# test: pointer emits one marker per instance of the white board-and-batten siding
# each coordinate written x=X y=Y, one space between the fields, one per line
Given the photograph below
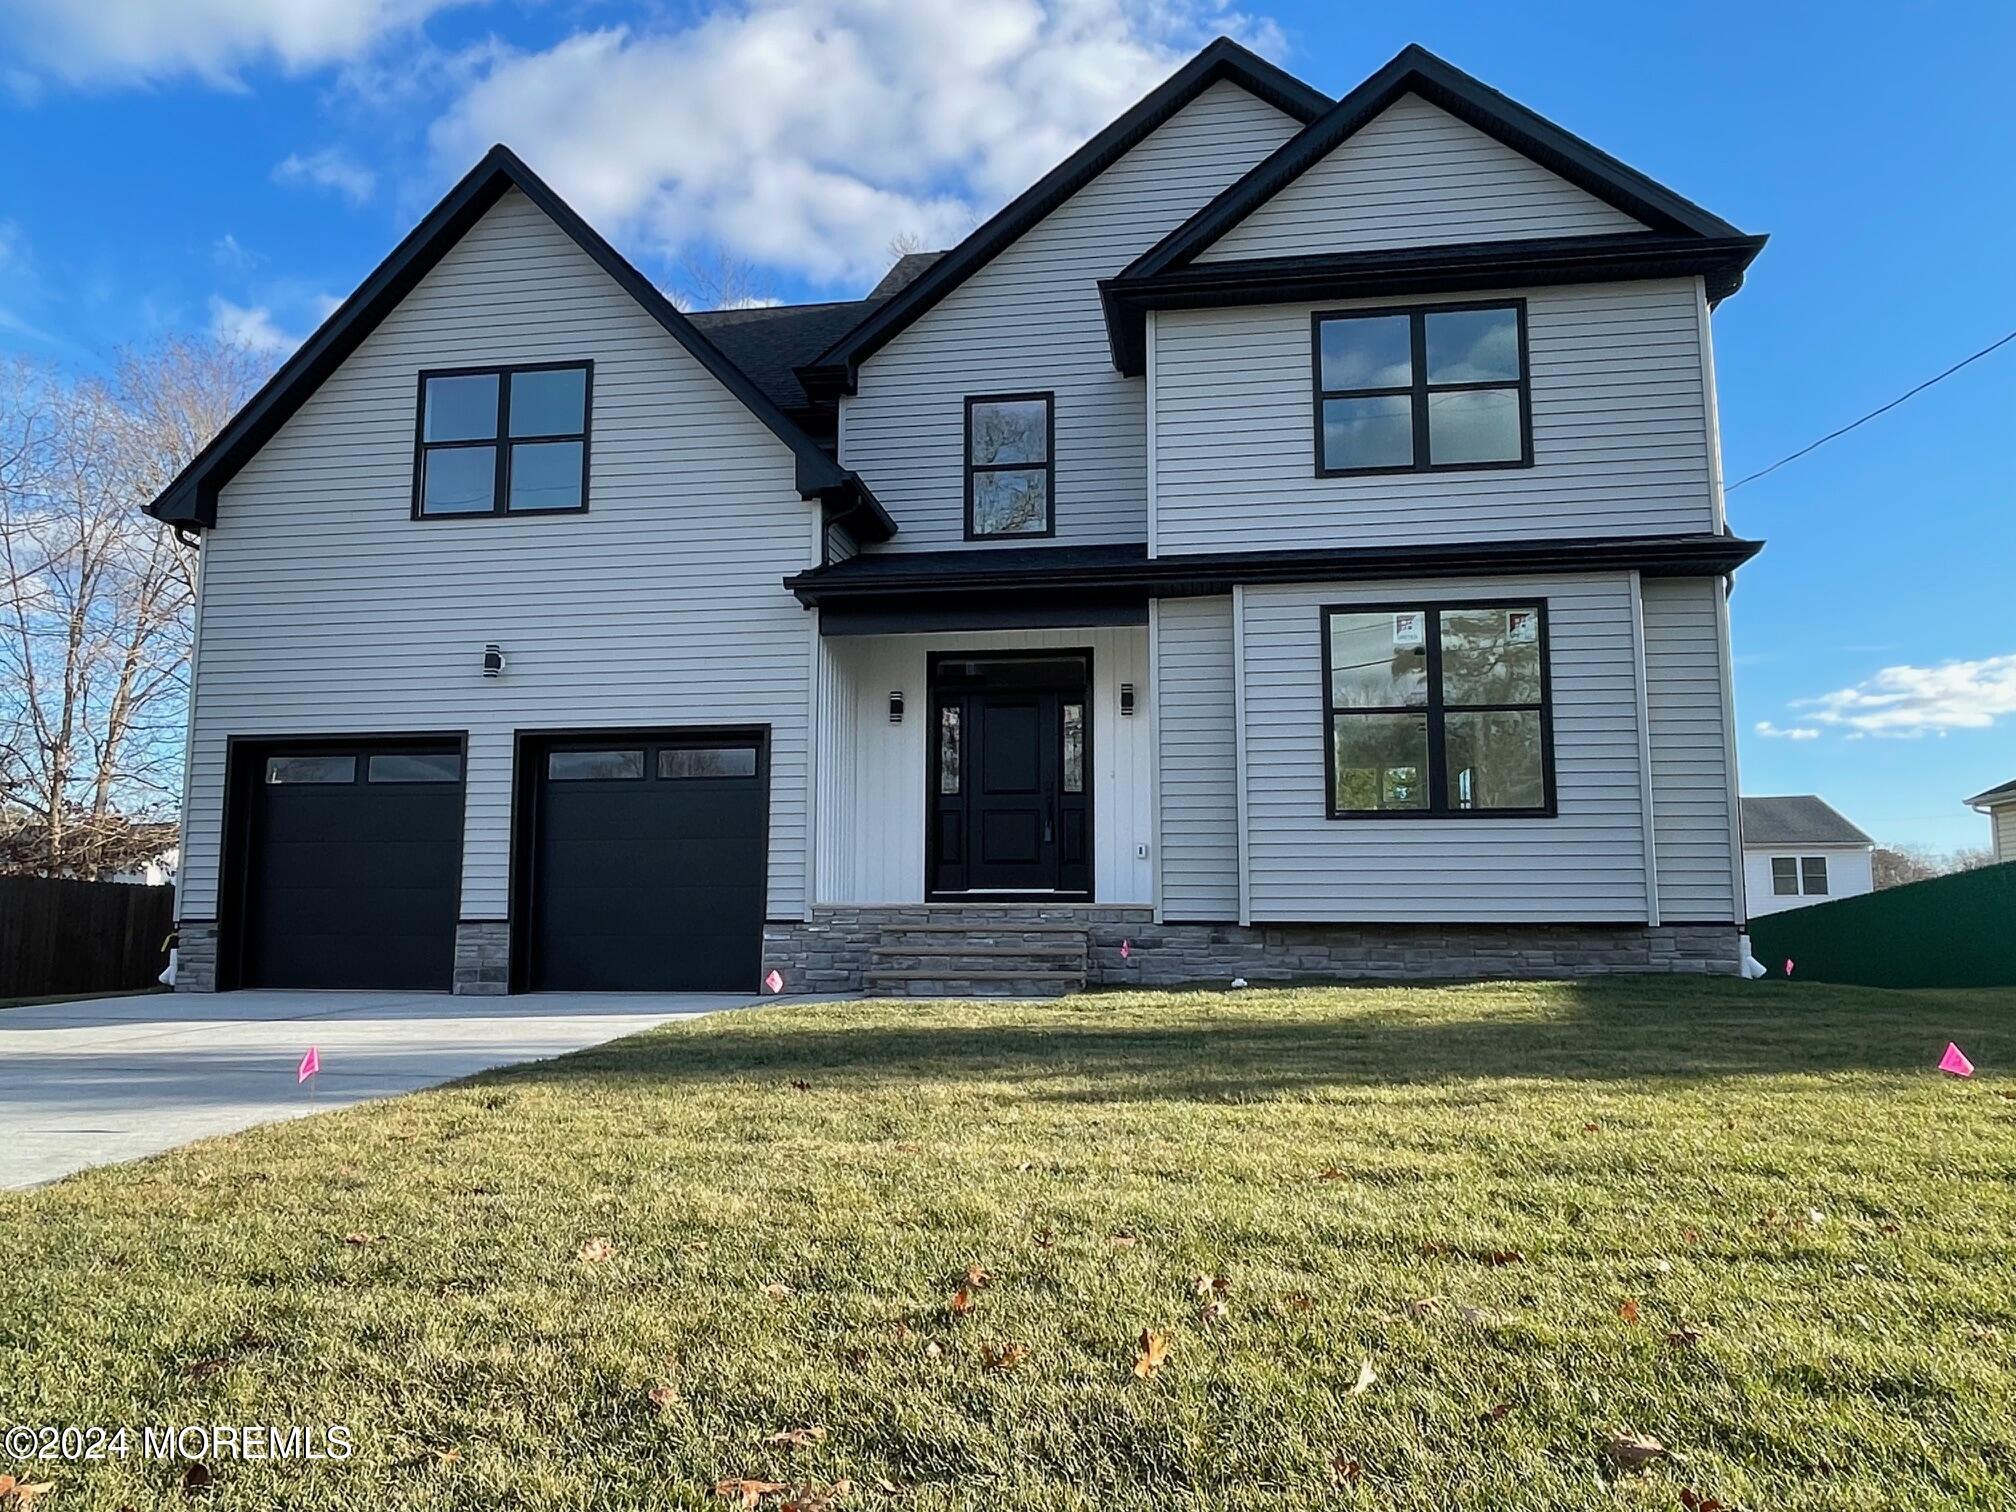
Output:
x=1031 y=321
x=1620 y=431
x=327 y=610
x=1196 y=714
x=874 y=774
x=1415 y=176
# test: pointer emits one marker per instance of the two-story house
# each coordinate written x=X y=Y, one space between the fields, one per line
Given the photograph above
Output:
x=1287 y=540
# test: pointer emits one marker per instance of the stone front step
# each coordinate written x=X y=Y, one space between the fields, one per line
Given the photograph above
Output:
x=956 y=958
x=974 y=984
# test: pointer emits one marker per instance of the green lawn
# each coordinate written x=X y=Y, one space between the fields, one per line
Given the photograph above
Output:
x=1467 y=1187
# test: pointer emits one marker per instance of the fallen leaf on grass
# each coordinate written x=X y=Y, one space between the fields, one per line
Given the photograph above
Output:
x=1628 y=1309
x=962 y=1303
x=1296 y=1302
x=1694 y=1501
x=1425 y=1307
x=1211 y=1286
x=1633 y=1450
x=596 y=1250
x=1366 y=1376
x=1343 y=1471
x=360 y=1238
x=1683 y=1337
x=1690 y=1236
x=932 y=1350
x=801 y=1085
x=1045 y=1238
x=1123 y=1239
x=445 y=1456
x=1213 y=1312
x=1477 y=1317
x=1333 y=1173
x=197 y=1479
x=1889 y=1228
x=1505 y=1257
x=777 y=1291
x=1494 y=1414
x=21 y=1493
x=1591 y=1127
x=798 y=1438
x=748 y=1493
x=1004 y=1356
x=977 y=1275
x=664 y=1396
x=1150 y=1352
x=815 y=1498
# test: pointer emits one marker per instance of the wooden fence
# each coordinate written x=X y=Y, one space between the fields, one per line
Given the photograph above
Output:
x=59 y=937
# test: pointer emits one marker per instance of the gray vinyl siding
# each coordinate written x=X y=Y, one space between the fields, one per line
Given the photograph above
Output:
x=1198 y=773
x=1031 y=320
x=1620 y=431
x=1585 y=865
x=326 y=609
x=1691 y=824
x=1416 y=176
x=840 y=544
x=2003 y=822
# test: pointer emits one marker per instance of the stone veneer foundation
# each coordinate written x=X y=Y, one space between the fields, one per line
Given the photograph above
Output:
x=482 y=958
x=830 y=952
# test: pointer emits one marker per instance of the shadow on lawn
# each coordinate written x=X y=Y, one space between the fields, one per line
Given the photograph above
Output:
x=1265 y=1043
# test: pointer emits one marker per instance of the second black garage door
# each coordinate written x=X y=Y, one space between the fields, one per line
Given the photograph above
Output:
x=647 y=864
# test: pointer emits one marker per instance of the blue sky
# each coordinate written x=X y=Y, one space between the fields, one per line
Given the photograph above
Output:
x=236 y=165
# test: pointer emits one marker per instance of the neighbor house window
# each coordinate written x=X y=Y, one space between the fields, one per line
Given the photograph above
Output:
x=1011 y=466
x=1422 y=390
x=1437 y=710
x=498 y=441
x=1794 y=875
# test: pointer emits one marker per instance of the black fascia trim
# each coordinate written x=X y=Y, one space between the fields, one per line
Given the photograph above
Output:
x=834 y=370
x=1415 y=70
x=192 y=497
x=1461 y=268
x=1437 y=710
x=864 y=579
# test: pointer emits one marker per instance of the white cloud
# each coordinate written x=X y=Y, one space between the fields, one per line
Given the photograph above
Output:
x=1908 y=702
x=132 y=41
x=803 y=134
x=1771 y=731
x=251 y=327
x=331 y=168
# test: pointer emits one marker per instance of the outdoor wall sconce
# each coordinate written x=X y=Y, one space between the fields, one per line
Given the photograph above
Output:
x=493 y=660
x=1127 y=700
x=896 y=707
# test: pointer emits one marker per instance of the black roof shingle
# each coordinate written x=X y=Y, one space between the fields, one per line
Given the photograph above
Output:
x=1797 y=819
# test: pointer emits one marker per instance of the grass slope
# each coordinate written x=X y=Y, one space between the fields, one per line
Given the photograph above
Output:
x=1461 y=1185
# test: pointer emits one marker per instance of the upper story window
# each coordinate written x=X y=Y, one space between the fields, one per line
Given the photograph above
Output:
x=1011 y=465
x=1422 y=390
x=1792 y=876
x=1438 y=711
x=503 y=440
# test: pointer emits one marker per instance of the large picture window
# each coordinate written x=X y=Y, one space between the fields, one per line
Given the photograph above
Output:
x=1438 y=710
x=1422 y=390
x=1011 y=466
x=510 y=440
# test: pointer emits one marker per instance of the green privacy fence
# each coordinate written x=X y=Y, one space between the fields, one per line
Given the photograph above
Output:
x=1957 y=931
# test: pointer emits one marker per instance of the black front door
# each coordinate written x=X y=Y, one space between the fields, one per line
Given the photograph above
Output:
x=1010 y=777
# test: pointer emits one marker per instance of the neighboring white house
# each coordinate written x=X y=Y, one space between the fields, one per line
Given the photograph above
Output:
x=1798 y=850
x=1999 y=804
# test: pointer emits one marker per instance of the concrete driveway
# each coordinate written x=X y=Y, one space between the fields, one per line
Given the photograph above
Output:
x=83 y=1084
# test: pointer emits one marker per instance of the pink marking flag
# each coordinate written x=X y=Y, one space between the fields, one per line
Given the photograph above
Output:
x=774 y=982
x=1788 y=965
x=1126 y=949
x=1954 y=1063
x=310 y=1064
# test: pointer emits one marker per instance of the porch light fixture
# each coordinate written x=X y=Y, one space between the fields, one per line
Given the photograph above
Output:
x=896 y=707
x=1127 y=700
x=493 y=660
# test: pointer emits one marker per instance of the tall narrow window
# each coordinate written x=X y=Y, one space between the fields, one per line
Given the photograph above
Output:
x=1813 y=876
x=1785 y=876
x=508 y=440
x=1437 y=710
x=948 y=748
x=1074 y=747
x=1010 y=466
x=1422 y=390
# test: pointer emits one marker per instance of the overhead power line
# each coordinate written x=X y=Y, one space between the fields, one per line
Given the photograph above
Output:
x=1831 y=435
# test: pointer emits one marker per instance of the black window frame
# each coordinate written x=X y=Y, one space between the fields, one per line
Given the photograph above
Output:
x=1778 y=879
x=1806 y=865
x=970 y=467
x=1436 y=709
x=1420 y=388
x=503 y=440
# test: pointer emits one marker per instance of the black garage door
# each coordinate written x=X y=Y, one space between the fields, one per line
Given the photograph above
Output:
x=353 y=866
x=647 y=864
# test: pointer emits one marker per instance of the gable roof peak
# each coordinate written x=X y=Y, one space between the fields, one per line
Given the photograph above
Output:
x=191 y=499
